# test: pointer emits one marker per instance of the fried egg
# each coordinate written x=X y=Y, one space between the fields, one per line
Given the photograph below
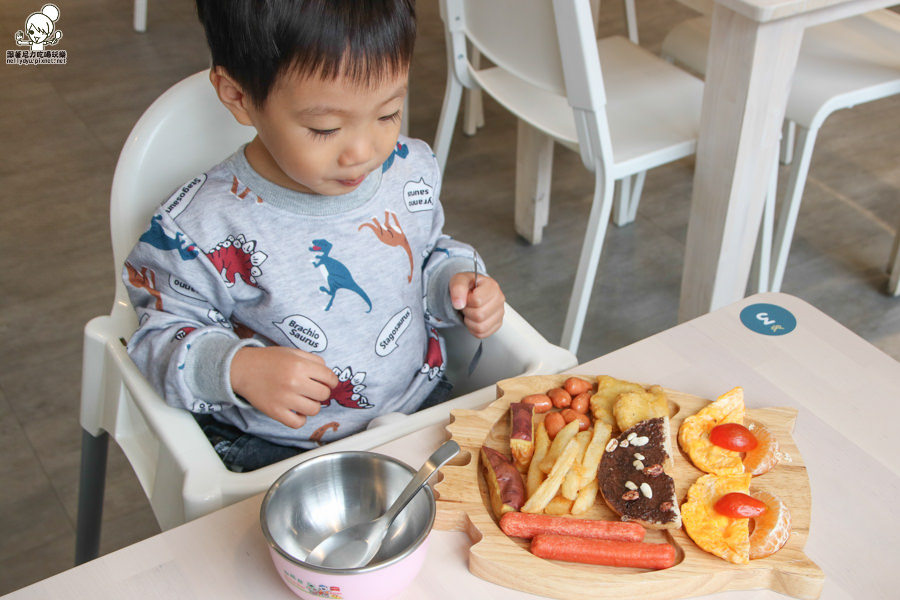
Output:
x=726 y=537
x=693 y=434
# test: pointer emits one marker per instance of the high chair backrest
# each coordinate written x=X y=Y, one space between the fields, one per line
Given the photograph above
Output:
x=185 y=131
x=550 y=44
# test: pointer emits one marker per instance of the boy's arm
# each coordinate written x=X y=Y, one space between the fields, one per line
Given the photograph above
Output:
x=185 y=342
x=443 y=269
x=448 y=258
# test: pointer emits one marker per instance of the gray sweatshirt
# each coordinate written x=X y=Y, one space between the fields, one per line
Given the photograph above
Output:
x=231 y=259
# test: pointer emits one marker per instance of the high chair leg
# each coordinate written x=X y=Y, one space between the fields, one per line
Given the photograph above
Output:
x=91 y=485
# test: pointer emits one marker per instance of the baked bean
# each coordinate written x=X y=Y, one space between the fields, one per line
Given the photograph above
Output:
x=569 y=415
x=560 y=397
x=581 y=402
x=541 y=402
x=577 y=385
x=553 y=423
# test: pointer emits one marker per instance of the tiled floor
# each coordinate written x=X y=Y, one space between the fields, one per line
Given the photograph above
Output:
x=62 y=127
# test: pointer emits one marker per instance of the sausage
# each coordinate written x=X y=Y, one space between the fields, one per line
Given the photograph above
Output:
x=541 y=402
x=581 y=402
x=577 y=385
x=584 y=421
x=526 y=525
x=612 y=553
x=554 y=422
x=560 y=397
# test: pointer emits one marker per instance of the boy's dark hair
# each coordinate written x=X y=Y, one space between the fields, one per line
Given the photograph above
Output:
x=258 y=41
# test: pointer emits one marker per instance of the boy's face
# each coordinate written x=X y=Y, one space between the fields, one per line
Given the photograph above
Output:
x=325 y=136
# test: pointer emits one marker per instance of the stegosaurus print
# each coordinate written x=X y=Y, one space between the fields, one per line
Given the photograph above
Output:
x=347 y=392
x=237 y=257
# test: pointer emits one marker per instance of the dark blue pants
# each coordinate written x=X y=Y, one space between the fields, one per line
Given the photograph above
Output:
x=242 y=452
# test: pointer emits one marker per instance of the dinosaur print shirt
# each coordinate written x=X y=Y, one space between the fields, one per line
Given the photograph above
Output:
x=231 y=259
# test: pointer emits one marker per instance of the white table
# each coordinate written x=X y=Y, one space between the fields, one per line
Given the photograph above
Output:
x=847 y=393
x=752 y=54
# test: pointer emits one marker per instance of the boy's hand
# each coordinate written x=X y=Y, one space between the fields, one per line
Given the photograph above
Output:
x=285 y=384
x=481 y=304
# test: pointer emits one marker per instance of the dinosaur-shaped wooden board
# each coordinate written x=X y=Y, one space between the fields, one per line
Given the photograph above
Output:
x=463 y=505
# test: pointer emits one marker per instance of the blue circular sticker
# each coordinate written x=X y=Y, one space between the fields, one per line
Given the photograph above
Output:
x=768 y=319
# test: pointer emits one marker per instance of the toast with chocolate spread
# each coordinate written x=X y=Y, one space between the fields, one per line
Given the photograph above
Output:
x=633 y=478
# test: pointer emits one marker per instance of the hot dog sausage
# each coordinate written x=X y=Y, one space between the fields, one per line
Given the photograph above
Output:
x=526 y=525
x=603 y=552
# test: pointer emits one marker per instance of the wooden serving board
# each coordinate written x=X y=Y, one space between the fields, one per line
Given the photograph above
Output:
x=463 y=505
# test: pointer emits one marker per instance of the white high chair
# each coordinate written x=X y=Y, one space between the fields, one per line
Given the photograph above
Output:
x=625 y=109
x=183 y=132
x=841 y=64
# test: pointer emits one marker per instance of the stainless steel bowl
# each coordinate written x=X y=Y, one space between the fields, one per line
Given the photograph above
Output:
x=333 y=491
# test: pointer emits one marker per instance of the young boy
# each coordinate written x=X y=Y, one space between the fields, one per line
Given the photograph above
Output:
x=294 y=292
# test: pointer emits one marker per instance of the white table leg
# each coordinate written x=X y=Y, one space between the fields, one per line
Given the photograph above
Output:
x=747 y=84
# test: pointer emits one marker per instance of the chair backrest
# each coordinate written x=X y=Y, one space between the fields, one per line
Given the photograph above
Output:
x=185 y=131
x=550 y=44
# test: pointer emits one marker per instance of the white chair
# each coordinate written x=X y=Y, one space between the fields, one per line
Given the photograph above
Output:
x=841 y=64
x=473 y=109
x=894 y=266
x=625 y=109
x=184 y=131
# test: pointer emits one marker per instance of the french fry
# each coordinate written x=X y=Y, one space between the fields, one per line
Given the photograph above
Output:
x=586 y=497
x=562 y=439
x=548 y=488
x=572 y=481
x=594 y=452
x=559 y=505
x=535 y=476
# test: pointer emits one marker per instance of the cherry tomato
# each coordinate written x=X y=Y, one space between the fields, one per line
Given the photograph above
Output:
x=739 y=505
x=733 y=436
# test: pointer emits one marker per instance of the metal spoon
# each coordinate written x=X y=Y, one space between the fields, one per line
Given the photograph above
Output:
x=474 y=362
x=356 y=545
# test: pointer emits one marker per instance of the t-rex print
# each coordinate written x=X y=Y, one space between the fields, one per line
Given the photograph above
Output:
x=145 y=279
x=401 y=150
x=338 y=275
x=157 y=237
x=391 y=236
